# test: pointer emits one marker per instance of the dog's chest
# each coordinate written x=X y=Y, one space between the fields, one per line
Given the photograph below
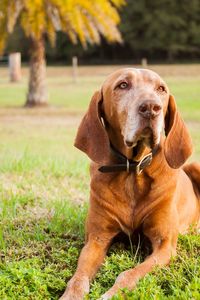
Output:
x=125 y=194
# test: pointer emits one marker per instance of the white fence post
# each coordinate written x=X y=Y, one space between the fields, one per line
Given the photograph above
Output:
x=144 y=62
x=75 y=68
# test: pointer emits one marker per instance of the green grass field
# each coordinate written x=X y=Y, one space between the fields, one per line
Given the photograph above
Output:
x=44 y=188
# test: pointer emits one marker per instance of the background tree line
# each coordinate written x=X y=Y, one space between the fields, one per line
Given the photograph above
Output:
x=159 y=30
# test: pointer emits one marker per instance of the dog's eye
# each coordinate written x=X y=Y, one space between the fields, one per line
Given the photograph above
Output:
x=161 y=89
x=123 y=85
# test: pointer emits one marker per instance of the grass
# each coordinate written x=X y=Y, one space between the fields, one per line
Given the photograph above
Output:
x=44 y=187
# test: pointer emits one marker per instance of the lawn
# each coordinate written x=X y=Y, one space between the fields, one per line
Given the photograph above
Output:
x=44 y=188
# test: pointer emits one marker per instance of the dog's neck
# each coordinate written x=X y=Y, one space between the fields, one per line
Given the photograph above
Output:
x=117 y=141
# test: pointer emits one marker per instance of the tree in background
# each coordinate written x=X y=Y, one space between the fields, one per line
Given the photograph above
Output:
x=164 y=28
x=161 y=30
x=81 y=20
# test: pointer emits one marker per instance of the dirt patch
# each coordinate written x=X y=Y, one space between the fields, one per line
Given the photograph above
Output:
x=66 y=71
x=46 y=116
x=163 y=70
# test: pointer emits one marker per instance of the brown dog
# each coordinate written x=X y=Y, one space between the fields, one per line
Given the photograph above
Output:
x=143 y=184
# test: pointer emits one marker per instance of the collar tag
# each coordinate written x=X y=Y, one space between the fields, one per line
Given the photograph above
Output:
x=103 y=122
x=147 y=158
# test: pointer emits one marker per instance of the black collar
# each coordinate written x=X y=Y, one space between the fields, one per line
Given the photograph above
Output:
x=128 y=165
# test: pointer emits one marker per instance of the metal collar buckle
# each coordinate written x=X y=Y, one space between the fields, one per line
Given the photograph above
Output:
x=145 y=158
x=127 y=166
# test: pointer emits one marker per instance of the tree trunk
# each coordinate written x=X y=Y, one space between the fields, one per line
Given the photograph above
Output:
x=37 y=92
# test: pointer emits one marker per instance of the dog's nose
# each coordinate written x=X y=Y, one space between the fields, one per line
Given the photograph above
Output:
x=149 y=109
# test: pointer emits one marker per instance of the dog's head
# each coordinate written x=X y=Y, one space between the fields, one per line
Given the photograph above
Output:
x=131 y=111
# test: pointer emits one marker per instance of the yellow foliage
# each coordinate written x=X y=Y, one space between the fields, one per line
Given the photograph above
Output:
x=84 y=20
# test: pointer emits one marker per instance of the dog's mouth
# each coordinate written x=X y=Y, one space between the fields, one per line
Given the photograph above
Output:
x=138 y=149
x=146 y=140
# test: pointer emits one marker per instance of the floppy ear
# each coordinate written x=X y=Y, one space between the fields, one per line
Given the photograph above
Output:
x=178 y=144
x=92 y=137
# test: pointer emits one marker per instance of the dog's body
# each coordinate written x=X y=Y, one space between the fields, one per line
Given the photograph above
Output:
x=163 y=200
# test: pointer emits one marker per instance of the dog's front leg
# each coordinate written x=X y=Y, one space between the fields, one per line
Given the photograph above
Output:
x=129 y=278
x=91 y=257
x=163 y=237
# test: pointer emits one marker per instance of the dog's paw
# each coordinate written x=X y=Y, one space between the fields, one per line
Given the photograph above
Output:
x=76 y=289
x=125 y=280
x=105 y=297
x=110 y=293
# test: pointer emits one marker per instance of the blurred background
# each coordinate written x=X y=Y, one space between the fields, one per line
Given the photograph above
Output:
x=54 y=55
x=163 y=31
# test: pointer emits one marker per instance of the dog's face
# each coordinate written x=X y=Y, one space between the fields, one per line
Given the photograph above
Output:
x=135 y=102
x=135 y=105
